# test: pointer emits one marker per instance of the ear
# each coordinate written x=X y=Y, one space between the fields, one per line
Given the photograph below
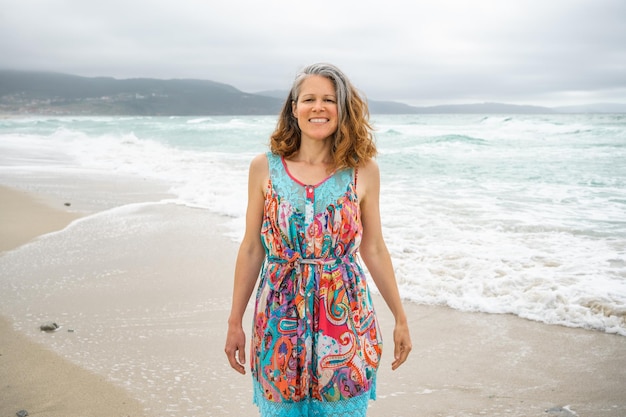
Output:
x=294 y=108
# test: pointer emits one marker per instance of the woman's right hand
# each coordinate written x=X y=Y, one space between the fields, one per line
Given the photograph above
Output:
x=236 y=348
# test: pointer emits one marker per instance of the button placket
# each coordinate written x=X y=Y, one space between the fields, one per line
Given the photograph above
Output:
x=309 y=214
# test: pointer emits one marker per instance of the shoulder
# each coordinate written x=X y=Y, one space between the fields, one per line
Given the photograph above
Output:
x=259 y=171
x=369 y=173
x=259 y=162
x=368 y=179
x=369 y=168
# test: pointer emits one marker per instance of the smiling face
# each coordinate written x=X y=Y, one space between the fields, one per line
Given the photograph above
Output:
x=316 y=108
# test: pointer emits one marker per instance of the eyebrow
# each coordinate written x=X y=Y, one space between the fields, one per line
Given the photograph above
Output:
x=313 y=95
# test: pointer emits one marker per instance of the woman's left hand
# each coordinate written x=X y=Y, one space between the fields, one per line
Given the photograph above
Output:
x=402 y=344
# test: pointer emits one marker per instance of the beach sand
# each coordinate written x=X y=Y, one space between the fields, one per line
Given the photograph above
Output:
x=143 y=304
x=23 y=217
x=32 y=377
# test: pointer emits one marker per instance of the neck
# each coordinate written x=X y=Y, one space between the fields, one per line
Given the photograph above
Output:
x=314 y=153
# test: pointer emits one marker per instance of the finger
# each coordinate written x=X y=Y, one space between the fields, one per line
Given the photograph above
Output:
x=398 y=350
x=242 y=358
x=401 y=355
x=236 y=365
x=397 y=362
x=233 y=359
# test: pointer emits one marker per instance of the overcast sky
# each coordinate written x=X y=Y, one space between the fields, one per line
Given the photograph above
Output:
x=546 y=52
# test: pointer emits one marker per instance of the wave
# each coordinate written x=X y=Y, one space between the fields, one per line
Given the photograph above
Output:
x=520 y=215
x=463 y=139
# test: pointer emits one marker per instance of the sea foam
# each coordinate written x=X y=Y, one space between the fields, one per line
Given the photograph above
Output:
x=501 y=214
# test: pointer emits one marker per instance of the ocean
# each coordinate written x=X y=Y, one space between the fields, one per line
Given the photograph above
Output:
x=515 y=214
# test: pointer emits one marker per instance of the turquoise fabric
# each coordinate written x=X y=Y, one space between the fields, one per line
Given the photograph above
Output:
x=326 y=193
x=354 y=407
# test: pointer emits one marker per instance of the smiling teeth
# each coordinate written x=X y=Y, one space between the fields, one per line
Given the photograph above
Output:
x=318 y=120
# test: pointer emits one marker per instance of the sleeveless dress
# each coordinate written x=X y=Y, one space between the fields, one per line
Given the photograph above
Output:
x=316 y=343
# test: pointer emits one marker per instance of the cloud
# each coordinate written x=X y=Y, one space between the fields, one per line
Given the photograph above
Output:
x=420 y=52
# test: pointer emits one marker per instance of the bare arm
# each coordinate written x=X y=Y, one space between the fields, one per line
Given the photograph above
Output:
x=249 y=260
x=374 y=252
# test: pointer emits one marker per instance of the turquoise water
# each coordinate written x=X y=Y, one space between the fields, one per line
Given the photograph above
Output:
x=500 y=214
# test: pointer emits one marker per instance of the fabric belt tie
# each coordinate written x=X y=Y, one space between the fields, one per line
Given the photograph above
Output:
x=296 y=258
x=302 y=288
x=282 y=267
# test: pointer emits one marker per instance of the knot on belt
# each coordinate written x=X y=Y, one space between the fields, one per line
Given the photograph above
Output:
x=279 y=268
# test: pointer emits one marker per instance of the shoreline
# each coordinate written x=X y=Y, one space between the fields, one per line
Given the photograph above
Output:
x=20 y=226
x=466 y=364
x=35 y=378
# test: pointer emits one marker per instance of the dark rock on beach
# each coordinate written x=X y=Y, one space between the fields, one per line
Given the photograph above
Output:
x=21 y=413
x=49 y=327
x=560 y=412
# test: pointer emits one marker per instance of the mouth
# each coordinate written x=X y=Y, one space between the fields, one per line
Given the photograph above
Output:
x=318 y=120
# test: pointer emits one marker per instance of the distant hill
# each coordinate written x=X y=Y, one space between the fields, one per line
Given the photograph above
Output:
x=52 y=93
x=281 y=94
x=30 y=92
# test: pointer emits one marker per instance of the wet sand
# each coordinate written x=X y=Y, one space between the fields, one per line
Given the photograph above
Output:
x=33 y=378
x=145 y=292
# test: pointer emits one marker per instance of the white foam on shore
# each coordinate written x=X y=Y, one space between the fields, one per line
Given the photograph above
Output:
x=138 y=291
x=489 y=214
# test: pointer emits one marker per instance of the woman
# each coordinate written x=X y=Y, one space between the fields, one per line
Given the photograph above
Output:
x=312 y=210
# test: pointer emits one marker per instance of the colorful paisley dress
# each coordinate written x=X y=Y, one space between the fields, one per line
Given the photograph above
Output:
x=316 y=344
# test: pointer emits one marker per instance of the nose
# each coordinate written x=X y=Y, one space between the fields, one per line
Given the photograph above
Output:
x=318 y=105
